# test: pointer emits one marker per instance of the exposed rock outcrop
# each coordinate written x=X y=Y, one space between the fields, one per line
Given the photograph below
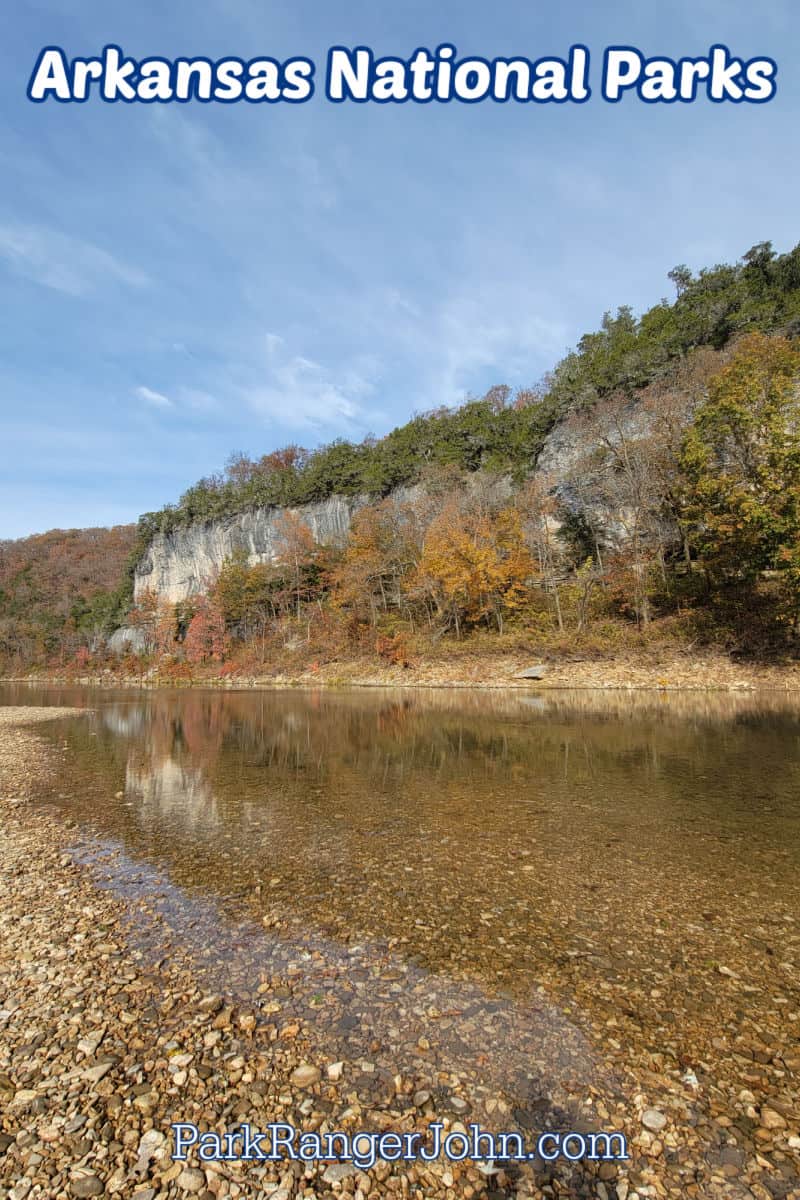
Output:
x=583 y=454
x=183 y=562
x=127 y=640
x=611 y=467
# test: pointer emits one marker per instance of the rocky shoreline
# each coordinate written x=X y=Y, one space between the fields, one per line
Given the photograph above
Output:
x=109 y=1032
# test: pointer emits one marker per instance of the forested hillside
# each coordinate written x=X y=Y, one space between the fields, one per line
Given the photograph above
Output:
x=667 y=499
x=60 y=592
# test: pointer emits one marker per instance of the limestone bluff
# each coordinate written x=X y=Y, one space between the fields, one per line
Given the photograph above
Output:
x=183 y=562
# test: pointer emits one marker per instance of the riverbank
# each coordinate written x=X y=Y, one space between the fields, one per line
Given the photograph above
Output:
x=657 y=670
x=110 y=1031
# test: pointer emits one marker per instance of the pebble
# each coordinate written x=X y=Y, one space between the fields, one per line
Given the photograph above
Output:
x=336 y=1172
x=305 y=1075
x=191 y=1180
x=95 y=1074
x=86 y=1185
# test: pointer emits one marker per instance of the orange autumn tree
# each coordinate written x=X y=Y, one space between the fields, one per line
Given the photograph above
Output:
x=475 y=565
x=206 y=638
x=382 y=547
x=297 y=555
x=155 y=619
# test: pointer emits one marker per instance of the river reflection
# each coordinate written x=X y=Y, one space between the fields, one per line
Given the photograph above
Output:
x=571 y=883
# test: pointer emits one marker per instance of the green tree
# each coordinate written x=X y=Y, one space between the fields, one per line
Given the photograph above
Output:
x=741 y=469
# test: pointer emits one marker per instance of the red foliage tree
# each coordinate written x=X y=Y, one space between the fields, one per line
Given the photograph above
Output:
x=206 y=639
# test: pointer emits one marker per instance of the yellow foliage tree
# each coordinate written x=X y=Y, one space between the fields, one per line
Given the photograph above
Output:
x=475 y=566
x=381 y=550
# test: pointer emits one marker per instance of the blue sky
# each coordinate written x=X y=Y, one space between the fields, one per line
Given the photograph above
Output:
x=182 y=281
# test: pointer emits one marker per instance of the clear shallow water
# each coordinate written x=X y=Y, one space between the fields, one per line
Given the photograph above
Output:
x=543 y=887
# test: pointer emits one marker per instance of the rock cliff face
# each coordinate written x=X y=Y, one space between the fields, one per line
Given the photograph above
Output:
x=127 y=640
x=183 y=562
x=576 y=464
x=587 y=441
x=612 y=468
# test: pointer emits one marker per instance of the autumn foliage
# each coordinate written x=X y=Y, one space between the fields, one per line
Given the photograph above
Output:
x=475 y=566
x=679 y=502
x=206 y=637
x=60 y=593
x=741 y=471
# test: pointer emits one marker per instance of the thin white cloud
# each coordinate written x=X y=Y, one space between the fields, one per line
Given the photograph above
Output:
x=492 y=331
x=491 y=328
x=64 y=263
x=156 y=399
x=299 y=392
